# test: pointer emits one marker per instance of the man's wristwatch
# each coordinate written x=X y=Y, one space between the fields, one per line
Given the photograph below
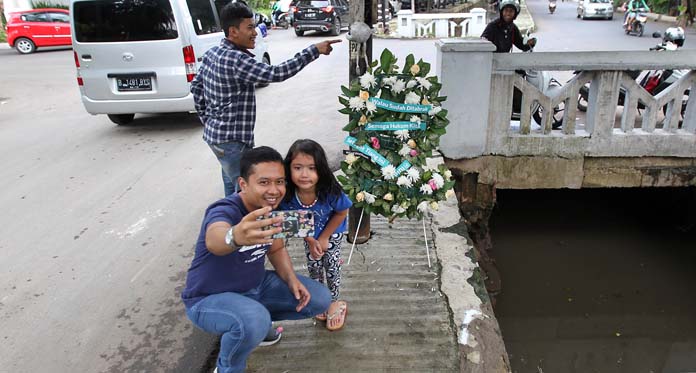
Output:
x=229 y=239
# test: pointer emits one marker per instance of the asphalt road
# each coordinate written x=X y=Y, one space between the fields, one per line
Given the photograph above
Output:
x=98 y=220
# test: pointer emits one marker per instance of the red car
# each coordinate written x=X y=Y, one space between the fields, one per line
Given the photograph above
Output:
x=31 y=29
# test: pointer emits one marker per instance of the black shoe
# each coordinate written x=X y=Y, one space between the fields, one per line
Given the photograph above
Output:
x=272 y=337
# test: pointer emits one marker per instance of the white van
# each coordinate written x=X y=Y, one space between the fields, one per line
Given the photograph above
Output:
x=139 y=56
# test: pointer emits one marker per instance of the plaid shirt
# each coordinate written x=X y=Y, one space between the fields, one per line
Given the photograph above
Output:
x=224 y=94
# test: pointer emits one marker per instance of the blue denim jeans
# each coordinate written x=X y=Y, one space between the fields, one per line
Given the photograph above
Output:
x=243 y=319
x=229 y=154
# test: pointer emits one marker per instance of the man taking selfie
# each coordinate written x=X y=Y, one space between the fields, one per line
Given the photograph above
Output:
x=228 y=291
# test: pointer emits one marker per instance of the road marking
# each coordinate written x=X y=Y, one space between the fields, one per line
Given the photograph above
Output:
x=143 y=269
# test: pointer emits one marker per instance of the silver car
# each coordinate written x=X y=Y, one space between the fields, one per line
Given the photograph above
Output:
x=595 y=9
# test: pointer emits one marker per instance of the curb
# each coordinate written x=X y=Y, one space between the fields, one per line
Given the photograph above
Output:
x=481 y=345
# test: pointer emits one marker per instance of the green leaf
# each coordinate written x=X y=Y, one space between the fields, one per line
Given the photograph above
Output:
x=347 y=92
x=387 y=60
x=410 y=61
x=345 y=111
x=424 y=68
x=343 y=101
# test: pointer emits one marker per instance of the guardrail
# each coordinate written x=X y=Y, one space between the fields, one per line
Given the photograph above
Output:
x=480 y=99
x=441 y=25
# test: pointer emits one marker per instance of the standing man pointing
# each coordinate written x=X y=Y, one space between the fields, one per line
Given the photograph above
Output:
x=224 y=88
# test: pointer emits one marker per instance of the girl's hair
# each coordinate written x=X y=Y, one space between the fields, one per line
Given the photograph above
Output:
x=327 y=185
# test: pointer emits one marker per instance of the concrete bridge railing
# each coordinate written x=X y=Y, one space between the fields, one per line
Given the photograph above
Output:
x=441 y=25
x=480 y=100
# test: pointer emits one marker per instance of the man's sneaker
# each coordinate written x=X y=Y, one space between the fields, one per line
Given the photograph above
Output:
x=272 y=337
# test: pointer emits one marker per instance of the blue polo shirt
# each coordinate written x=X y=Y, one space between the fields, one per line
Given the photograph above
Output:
x=237 y=272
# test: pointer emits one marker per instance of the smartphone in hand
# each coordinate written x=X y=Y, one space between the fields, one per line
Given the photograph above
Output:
x=296 y=223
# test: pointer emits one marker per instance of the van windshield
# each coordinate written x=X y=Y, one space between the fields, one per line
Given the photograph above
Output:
x=123 y=20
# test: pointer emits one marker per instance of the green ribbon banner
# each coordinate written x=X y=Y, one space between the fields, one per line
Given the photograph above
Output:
x=365 y=149
x=399 y=107
x=395 y=126
x=405 y=165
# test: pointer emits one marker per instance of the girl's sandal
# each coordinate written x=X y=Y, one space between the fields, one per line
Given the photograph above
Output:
x=339 y=314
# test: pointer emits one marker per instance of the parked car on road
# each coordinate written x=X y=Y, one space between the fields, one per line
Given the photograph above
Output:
x=321 y=15
x=31 y=29
x=141 y=56
x=595 y=9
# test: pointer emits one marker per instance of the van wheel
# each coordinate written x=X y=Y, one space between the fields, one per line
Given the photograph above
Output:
x=267 y=60
x=121 y=119
x=299 y=32
x=25 y=46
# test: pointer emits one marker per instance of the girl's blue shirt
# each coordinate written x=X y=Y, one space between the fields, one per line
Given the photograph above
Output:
x=323 y=211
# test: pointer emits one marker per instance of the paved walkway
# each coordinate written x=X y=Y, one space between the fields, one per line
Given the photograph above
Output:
x=397 y=318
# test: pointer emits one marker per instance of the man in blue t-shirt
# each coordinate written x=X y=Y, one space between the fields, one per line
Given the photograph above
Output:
x=228 y=291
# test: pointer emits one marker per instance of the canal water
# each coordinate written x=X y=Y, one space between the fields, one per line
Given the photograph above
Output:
x=597 y=280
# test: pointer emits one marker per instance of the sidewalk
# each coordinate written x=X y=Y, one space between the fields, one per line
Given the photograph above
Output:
x=402 y=315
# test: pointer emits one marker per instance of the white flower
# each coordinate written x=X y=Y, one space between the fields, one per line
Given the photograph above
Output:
x=367 y=81
x=351 y=158
x=415 y=119
x=405 y=150
x=371 y=107
x=398 y=87
x=389 y=172
x=449 y=193
x=388 y=197
x=424 y=83
x=398 y=209
x=402 y=135
x=426 y=189
x=411 y=84
x=433 y=112
x=389 y=81
x=412 y=98
x=356 y=103
x=448 y=175
x=404 y=181
x=369 y=198
x=360 y=196
x=434 y=205
x=423 y=206
x=439 y=181
x=413 y=174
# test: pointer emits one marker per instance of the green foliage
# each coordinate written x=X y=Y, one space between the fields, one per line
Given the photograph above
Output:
x=410 y=193
x=47 y=4
x=3 y=36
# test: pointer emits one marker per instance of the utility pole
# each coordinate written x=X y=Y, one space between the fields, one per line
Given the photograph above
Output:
x=360 y=11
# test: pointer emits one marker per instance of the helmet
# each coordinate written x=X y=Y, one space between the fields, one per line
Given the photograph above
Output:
x=674 y=35
x=513 y=3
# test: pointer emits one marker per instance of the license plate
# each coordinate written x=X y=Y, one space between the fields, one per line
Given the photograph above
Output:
x=134 y=83
x=600 y=10
x=311 y=15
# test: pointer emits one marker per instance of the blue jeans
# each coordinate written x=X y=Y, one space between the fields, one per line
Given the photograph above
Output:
x=229 y=154
x=244 y=319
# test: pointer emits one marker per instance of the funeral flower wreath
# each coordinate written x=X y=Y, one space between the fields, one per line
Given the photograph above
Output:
x=395 y=122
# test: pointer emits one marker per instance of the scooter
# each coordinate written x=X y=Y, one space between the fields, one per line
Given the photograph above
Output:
x=283 y=21
x=638 y=24
x=545 y=83
x=552 y=6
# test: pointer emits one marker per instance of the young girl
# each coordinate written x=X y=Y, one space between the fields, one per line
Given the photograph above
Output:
x=312 y=186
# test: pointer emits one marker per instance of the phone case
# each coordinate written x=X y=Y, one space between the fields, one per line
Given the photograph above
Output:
x=296 y=223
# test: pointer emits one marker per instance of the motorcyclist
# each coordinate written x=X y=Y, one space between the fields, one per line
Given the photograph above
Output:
x=503 y=33
x=674 y=35
x=632 y=8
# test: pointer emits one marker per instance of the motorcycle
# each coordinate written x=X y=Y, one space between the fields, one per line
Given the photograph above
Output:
x=552 y=6
x=638 y=24
x=654 y=82
x=545 y=83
